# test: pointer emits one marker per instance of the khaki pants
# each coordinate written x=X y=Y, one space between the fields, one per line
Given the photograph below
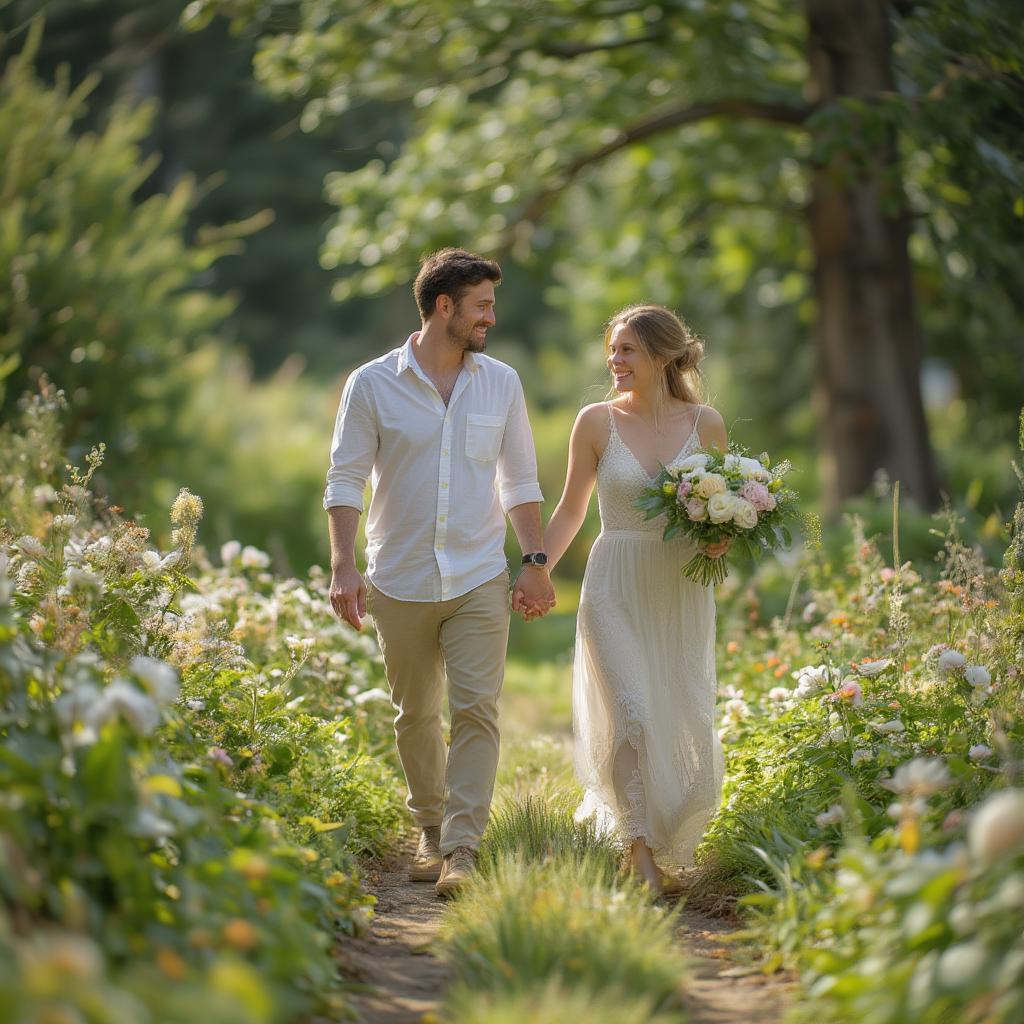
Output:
x=463 y=639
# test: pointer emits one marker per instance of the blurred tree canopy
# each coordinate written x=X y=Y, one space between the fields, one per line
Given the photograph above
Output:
x=855 y=164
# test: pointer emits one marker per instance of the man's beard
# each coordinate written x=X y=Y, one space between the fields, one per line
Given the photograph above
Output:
x=461 y=335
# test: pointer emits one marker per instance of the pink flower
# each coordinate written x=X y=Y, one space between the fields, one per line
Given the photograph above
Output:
x=887 y=574
x=685 y=487
x=220 y=756
x=696 y=510
x=758 y=495
x=851 y=691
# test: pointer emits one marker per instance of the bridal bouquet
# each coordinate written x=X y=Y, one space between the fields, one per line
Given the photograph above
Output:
x=711 y=496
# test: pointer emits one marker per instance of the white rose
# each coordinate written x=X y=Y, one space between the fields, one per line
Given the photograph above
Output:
x=751 y=469
x=949 y=661
x=997 y=828
x=696 y=461
x=720 y=507
x=744 y=514
x=711 y=483
x=977 y=675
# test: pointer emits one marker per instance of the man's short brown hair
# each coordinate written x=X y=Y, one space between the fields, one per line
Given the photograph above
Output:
x=451 y=272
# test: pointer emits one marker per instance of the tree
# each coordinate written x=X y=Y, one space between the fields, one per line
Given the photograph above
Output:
x=669 y=130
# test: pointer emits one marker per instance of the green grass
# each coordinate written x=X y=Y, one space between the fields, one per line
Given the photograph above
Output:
x=553 y=1004
x=522 y=925
x=542 y=830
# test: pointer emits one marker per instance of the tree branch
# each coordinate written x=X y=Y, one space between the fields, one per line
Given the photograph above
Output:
x=777 y=113
x=570 y=50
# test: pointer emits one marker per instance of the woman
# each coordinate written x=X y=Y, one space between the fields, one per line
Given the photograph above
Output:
x=647 y=753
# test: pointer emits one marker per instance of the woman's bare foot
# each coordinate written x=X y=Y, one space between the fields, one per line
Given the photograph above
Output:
x=641 y=863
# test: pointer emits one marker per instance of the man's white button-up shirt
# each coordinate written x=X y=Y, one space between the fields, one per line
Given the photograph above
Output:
x=442 y=477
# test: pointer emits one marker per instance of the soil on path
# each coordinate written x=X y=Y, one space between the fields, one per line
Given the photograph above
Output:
x=400 y=979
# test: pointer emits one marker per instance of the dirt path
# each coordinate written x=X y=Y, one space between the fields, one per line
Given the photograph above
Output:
x=723 y=988
x=401 y=980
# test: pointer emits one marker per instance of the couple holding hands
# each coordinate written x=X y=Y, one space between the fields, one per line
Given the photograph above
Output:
x=441 y=431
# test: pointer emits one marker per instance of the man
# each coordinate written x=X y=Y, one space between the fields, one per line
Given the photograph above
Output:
x=444 y=431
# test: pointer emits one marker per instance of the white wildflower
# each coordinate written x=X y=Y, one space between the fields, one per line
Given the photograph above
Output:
x=892 y=726
x=980 y=694
x=779 y=693
x=960 y=965
x=43 y=495
x=64 y=522
x=921 y=777
x=950 y=661
x=873 y=668
x=121 y=699
x=907 y=808
x=736 y=710
x=83 y=579
x=979 y=752
x=997 y=827
x=161 y=680
x=860 y=755
x=30 y=547
x=977 y=675
x=229 y=552
x=832 y=816
x=196 y=705
x=253 y=558
x=375 y=694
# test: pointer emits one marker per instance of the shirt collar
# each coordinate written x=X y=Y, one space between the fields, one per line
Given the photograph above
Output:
x=407 y=358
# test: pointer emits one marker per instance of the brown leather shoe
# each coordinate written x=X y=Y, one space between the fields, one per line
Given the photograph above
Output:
x=458 y=866
x=426 y=864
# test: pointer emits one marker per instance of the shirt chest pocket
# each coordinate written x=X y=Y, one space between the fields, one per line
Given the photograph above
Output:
x=483 y=436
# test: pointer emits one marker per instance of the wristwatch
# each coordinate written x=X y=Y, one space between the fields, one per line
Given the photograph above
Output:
x=537 y=558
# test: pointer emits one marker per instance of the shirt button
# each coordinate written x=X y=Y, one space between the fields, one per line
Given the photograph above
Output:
x=444 y=485
x=441 y=519
x=444 y=451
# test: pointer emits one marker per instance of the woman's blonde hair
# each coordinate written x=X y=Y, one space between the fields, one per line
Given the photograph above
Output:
x=669 y=343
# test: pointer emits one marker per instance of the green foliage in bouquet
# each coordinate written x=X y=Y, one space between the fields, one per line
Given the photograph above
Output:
x=189 y=762
x=714 y=496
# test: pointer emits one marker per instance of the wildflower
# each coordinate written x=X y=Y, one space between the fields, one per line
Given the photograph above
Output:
x=220 y=756
x=736 y=710
x=903 y=809
x=196 y=705
x=122 y=700
x=779 y=693
x=64 y=522
x=887 y=575
x=835 y=735
x=229 y=552
x=892 y=726
x=832 y=816
x=979 y=752
x=732 y=647
x=810 y=680
x=977 y=675
x=921 y=777
x=152 y=561
x=997 y=827
x=83 y=579
x=950 y=661
x=961 y=964
x=861 y=754
x=979 y=694
x=849 y=691
x=374 y=694
x=161 y=680
x=187 y=509
x=253 y=558
x=30 y=547
x=809 y=611
x=873 y=668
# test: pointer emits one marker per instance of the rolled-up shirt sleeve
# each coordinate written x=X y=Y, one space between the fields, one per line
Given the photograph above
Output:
x=517 y=462
x=353 y=447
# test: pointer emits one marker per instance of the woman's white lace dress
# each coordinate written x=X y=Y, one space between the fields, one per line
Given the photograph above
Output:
x=646 y=750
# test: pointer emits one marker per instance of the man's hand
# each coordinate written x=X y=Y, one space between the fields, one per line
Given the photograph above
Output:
x=718 y=549
x=348 y=595
x=533 y=595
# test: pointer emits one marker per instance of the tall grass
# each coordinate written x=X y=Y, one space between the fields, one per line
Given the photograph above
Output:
x=523 y=924
x=553 y=1004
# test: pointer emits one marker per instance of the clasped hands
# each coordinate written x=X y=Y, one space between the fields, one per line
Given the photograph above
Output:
x=533 y=596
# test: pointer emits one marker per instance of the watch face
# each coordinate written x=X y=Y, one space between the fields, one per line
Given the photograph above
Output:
x=538 y=559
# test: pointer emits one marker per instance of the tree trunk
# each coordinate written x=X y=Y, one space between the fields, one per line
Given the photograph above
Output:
x=868 y=339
